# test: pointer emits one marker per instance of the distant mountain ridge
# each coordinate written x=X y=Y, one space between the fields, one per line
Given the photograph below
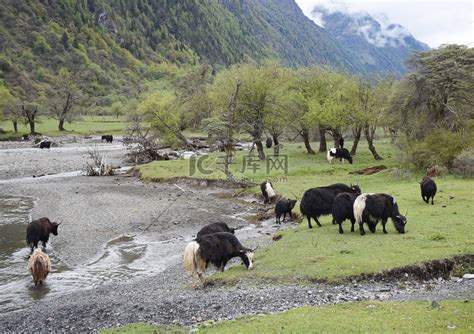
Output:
x=380 y=46
x=115 y=45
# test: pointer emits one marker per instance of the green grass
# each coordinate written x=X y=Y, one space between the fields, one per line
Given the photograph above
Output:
x=365 y=317
x=86 y=125
x=432 y=232
x=142 y=328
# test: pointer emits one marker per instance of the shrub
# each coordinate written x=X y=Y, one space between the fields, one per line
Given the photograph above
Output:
x=463 y=164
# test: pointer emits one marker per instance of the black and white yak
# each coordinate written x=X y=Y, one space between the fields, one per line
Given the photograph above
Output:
x=218 y=249
x=428 y=189
x=370 y=208
x=283 y=207
x=215 y=228
x=339 y=153
x=39 y=265
x=342 y=209
x=39 y=230
x=317 y=202
x=267 y=191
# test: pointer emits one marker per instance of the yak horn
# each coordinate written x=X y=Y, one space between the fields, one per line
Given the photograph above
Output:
x=406 y=213
x=253 y=250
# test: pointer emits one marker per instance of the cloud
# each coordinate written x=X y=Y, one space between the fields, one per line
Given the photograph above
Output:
x=434 y=22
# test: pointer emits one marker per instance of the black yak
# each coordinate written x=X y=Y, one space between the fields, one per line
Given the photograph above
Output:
x=283 y=207
x=45 y=144
x=342 y=209
x=218 y=249
x=370 y=208
x=39 y=230
x=318 y=201
x=341 y=142
x=267 y=191
x=214 y=228
x=39 y=265
x=339 y=153
x=107 y=138
x=269 y=142
x=428 y=189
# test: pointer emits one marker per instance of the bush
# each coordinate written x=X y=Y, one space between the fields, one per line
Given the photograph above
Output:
x=439 y=147
x=463 y=164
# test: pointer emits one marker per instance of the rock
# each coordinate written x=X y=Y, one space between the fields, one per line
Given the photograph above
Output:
x=468 y=276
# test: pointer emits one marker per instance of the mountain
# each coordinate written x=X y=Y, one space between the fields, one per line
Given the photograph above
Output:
x=379 y=45
x=113 y=47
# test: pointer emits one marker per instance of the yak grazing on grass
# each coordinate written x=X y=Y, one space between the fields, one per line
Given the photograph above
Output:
x=215 y=228
x=39 y=265
x=218 y=249
x=39 y=230
x=370 y=208
x=318 y=201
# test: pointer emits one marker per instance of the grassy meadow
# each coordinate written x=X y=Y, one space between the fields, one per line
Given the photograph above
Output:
x=84 y=126
x=433 y=231
x=365 y=317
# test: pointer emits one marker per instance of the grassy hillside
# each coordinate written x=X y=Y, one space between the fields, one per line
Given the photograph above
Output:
x=432 y=232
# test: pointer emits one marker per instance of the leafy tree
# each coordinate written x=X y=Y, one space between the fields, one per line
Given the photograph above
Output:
x=160 y=109
x=65 y=97
x=6 y=99
x=436 y=97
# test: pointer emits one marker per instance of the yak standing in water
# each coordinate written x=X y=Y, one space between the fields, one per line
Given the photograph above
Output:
x=218 y=249
x=39 y=265
x=39 y=230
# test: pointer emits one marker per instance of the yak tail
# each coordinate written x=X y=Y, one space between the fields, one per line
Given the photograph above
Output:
x=269 y=189
x=192 y=260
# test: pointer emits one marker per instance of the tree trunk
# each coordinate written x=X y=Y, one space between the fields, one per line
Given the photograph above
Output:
x=261 y=153
x=336 y=134
x=61 y=125
x=32 y=126
x=305 y=135
x=276 y=146
x=356 y=132
x=370 y=141
x=322 y=139
x=15 y=126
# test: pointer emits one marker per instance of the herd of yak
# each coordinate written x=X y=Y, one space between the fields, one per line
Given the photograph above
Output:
x=216 y=243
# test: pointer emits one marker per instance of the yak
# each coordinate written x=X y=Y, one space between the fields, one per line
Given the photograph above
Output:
x=318 y=201
x=107 y=138
x=214 y=228
x=45 y=144
x=428 y=189
x=268 y=142
x=342 y=209
x=39 y=265
x=339 y=153
x=283 y=207
x=218 y=249
x=267 y=191
x=39 y=230
x=370 y=208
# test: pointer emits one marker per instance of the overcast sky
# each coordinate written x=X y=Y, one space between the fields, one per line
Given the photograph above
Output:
x=433 y=22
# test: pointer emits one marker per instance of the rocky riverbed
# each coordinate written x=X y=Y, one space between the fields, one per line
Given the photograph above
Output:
x=117 y=258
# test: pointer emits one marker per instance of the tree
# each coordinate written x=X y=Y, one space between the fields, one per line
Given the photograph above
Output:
x=160 y=109
x=259 y=96
x=64 y=97
x=65 y=40
x=6 y=101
